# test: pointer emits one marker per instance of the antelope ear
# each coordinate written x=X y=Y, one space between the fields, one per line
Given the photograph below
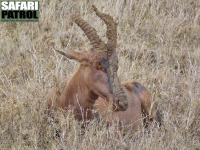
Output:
x=76 y=55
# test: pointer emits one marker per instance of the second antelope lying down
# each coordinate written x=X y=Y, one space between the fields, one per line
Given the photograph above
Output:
x=95 y=83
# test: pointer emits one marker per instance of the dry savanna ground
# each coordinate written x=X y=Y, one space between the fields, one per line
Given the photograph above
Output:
x=158 y=46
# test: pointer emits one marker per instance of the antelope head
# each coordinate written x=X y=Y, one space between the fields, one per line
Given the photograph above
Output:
x=101 y=61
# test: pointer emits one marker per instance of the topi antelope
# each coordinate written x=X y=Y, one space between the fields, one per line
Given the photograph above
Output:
x=95 y=83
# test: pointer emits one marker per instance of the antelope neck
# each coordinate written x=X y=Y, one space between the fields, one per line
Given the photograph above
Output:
x=78 y=95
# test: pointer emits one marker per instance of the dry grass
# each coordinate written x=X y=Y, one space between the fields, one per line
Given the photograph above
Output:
x=158 y=45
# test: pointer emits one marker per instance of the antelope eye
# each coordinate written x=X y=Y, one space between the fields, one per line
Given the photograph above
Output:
x=99 y=66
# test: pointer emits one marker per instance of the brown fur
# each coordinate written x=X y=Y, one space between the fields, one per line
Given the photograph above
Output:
x=84 y=87
x=89 y=87
x=96 y=80
x=108 y=49
x=139 y=101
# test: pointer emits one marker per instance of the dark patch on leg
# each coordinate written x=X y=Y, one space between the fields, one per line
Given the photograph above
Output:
x=137 y=87
x=97 y=116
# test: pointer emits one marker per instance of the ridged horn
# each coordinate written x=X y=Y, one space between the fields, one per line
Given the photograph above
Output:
x=115 y=84
x=90 y=32
x=111 y=32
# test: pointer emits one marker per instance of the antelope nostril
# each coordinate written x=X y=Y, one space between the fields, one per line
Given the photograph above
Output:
x=123 y=105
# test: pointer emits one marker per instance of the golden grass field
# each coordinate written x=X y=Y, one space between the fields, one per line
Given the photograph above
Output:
x=158 y=46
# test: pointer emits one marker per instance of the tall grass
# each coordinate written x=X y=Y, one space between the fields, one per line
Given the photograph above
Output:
x=158 y=46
